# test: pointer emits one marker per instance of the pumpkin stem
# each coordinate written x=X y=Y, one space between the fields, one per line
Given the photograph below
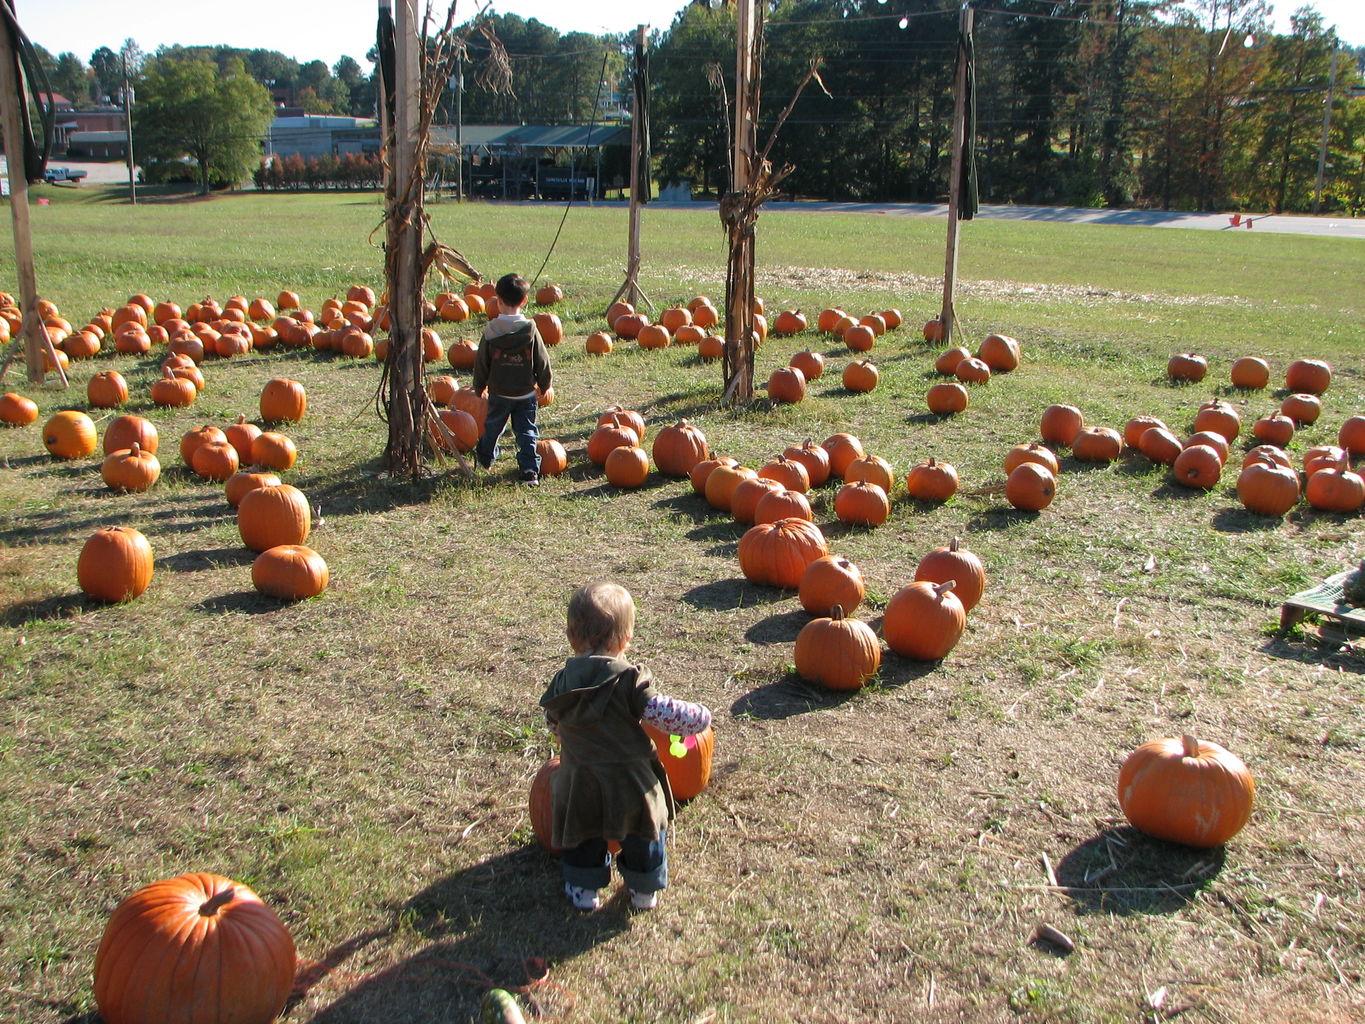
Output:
x=942 y=588
x=1190 y=745
x=215 y=903
x=837 y=612
x=955 y=544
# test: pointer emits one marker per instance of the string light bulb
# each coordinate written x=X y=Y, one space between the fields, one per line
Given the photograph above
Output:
x=904 y=23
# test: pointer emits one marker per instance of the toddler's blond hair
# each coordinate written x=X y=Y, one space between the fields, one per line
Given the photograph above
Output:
x=601 y=618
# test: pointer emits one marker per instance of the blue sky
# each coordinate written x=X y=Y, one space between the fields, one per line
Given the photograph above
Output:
x=312 y=30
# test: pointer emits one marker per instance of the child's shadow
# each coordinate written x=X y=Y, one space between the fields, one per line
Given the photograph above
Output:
x=503 y=923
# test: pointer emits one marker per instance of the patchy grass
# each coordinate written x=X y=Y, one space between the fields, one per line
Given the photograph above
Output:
x=362 y=759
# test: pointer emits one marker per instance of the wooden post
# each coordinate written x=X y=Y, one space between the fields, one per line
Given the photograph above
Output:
x=630 y=288
x=948 y=315
x=31 y=330
x=407 y=407
x=739 y=285
x=128 y=124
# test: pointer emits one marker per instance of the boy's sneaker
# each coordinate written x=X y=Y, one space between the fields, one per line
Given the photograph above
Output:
x=583 y=899
x=644 y=900
x=530 y=478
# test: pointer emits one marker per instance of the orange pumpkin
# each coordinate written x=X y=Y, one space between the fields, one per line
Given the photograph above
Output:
x=924 y=620
x=831 y=580
x=947 y=398
x=554 y=460
x=128 y=430
x=1186 y=791
x=290 y=572
x=1030 y=487
x=777 y=554
x=690 y=774
x=269 y=516
x=115 y=565
x=627 y=466
x=678 y=448
x=70 y=434
x=1060 y=424
x=196 y=947
x=837 y=652
x=954 y=562
x=16 y=410
x=862 y=504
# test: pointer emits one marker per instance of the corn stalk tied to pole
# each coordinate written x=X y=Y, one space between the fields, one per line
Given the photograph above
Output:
x=739 y=210
x=414 y=66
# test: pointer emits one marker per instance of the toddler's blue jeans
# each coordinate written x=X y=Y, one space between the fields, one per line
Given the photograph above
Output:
x=643 y=864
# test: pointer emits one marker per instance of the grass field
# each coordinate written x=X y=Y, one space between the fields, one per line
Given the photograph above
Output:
x=362 y=759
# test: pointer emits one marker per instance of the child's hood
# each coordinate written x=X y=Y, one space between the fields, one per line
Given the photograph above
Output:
x=584 y=688
x=508 y=323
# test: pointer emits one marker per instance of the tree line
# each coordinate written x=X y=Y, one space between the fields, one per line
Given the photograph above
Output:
x=1078 y=102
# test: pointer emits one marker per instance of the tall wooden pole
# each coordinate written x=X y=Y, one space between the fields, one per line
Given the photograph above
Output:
x=959 y=138
x=739 y=284
x=128 y=124
x=31 y=330
x=630 y=289
x=407 y=399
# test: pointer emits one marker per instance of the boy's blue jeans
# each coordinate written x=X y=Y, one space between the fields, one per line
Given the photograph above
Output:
x=522 y=413
x=643 y=864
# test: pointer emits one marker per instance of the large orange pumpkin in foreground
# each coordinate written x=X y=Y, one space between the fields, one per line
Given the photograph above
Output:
x=1187 y=791
x=197 y=948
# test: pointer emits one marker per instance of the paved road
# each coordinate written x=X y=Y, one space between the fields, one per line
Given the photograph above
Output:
x=1341 y=227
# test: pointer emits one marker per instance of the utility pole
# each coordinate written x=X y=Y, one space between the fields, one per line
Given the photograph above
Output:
x=458 y=82
x=959 y=145
x=630 y=288
x=1326 y=130
x=128 y=123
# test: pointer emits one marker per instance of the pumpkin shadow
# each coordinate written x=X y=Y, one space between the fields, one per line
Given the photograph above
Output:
x=63 y=606
x=897 y=670
x=1124 y=872
x=1002 y=517
x=921 y=418
x=786 y=698
x=1240 y=520
x=500 y=923
x=1179 y=492
x=1138 y=465
x=206 y=558
x=725 y=533
x=732 y=594
x=689 y=504
x=778 y=628
x=251 y=602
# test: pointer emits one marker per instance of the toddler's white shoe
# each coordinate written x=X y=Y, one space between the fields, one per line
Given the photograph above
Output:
x=644 y=900
x=583 y=899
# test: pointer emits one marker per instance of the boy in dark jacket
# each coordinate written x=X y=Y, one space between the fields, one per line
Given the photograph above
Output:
x=512 y=362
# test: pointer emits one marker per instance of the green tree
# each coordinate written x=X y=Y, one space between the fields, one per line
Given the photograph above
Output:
x=107 y=68
x=71 y=78
x=187 y=108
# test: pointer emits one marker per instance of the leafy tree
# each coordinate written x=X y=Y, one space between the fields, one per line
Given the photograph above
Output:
x=107 y=68
x=70 y=78
x=188 y=108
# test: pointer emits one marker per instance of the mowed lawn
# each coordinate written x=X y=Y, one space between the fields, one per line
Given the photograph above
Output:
x=362 y=760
